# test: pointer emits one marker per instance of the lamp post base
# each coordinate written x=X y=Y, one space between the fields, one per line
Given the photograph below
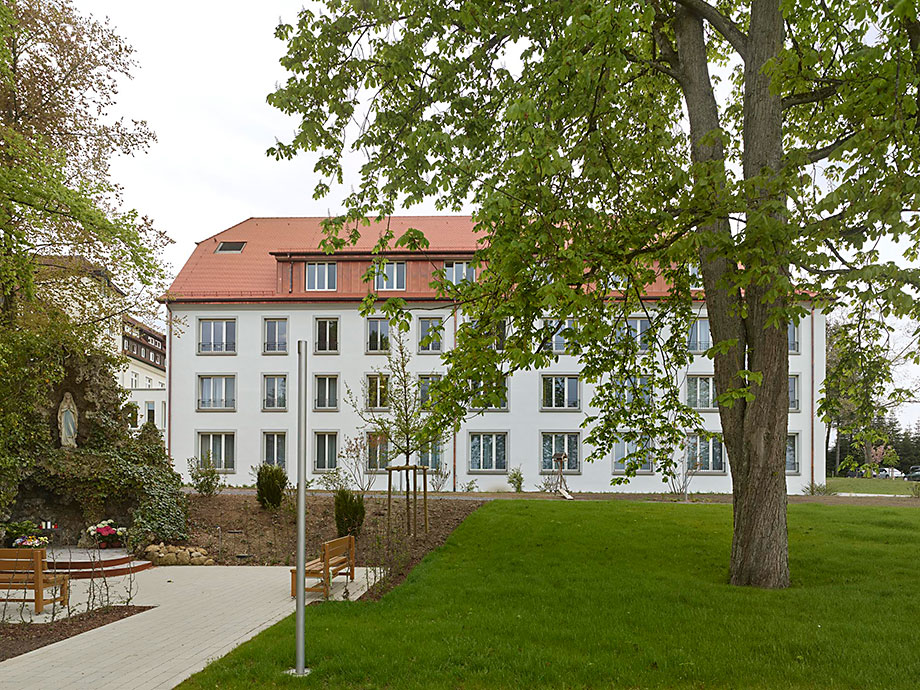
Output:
x=293 y=672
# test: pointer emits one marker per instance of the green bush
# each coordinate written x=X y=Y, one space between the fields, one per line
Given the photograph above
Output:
x=349 y=512
x=915 y=489
x=271 y=481
x=815 y=489
x=205 y=477
x=516 y=479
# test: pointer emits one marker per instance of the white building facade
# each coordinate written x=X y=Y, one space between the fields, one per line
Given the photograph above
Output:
x=144 y=376
x=232 y=388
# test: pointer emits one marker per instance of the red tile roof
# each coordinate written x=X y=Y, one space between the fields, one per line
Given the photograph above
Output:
x=252 y=274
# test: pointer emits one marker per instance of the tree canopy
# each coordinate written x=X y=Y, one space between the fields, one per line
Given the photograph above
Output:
x=611 y=147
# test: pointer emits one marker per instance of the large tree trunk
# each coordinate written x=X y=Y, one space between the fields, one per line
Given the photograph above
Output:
x=754 y=433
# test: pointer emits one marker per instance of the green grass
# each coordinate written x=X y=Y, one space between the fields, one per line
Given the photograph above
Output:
x=539 y=594
x=859 y=485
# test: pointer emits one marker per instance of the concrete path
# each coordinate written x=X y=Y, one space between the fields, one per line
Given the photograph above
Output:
x=200 y=615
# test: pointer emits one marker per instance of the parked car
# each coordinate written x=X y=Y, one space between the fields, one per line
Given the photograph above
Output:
x=891 y=473
x=914 y=474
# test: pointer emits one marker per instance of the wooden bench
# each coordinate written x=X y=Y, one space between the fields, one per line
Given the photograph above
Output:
x=338 y=556
x=28 y=569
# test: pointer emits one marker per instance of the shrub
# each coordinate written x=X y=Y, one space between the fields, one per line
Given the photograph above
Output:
x=349 y=512
x=470 y=486
x=271 y=481
x=205 y=477
x=439 y=478
x=334 y=480
x=915 y=489
x=516 y=479
x=815 y=489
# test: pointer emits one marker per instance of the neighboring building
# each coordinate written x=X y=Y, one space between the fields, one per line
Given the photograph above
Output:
x=249 y=293
x=145 y=376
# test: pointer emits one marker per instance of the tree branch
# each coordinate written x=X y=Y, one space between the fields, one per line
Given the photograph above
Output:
x=725 y=26
x=810 y=96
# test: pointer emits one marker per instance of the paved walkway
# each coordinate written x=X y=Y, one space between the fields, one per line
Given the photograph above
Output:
x=200 y=615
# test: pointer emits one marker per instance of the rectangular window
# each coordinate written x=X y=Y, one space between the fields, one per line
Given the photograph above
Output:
x=488 y=452
x=638 y=331
x=327 y=335
x=557 y=342
x=216 y=336
x=378 y=452
x=560 y=393
x=151 y=414
x=621 y=449
x=792 y=455
x=429 y=335
x=377 y=397
x=327 y=392
x=320 y=276
x=424 y=386
x=217 y=392
x=229 y=247
x=275 y=392
x=378 y=335
x=391 y=276
x=276 y=339
x=326 y=451
x=457 y=271
x=794 y=392
x=483 y=400
x=704 y=454
x=566 y=443
x=219 y=448
x=699 y=340
x=275 y=444
x=148 y=382
x=701 y=392
x=793 y=336
x=638 y=385
x=133 y=379
x=430 y=455
x=696 y=278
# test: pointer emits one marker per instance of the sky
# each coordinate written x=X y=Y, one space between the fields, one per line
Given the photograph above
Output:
x=204 y=71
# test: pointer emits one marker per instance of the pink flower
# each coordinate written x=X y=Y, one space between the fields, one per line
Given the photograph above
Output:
x=105 y=531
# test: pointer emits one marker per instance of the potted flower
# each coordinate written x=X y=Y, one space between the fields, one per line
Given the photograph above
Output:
x=106 y=534
x=30 y=541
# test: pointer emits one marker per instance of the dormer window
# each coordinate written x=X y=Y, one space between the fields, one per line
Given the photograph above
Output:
x=320 y=276
x=230 y=247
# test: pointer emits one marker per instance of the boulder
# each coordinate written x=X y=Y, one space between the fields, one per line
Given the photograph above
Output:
x=167 y=559
x=210 y=561
x=182 y=557
x=198 y=560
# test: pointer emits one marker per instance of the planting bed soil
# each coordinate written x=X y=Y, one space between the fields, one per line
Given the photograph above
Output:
x=19 y=638
x=235 y=530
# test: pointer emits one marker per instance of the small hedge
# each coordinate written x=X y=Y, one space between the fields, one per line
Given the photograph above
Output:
x=349 y=512
x=271 y=481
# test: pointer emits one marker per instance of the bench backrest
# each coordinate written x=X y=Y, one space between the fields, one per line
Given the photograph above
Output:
x=22 y=564
x=339 y=547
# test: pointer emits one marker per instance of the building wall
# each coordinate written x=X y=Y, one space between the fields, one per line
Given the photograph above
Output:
x=523 y=421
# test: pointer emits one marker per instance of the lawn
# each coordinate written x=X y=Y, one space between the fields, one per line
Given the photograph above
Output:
x=540 y=594
x=859 y=485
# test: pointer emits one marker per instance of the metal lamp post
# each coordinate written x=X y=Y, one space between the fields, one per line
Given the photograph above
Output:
x=300 y=618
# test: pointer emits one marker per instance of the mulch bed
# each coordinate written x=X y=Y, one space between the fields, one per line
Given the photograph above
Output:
x=250 y=535
x=19 y=638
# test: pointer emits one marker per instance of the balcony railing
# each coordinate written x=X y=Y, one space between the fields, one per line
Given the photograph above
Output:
x=274 y=403
x=229 y=346
x=275 y=346
x=699 y=345
x=217 y=403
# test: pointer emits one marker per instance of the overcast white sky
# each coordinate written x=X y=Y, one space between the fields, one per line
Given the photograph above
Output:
x=205 y=68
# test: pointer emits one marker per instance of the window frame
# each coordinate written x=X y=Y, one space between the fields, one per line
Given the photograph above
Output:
x=431 y=350
x=506 y=408
x=275 y=433
x=338 y=335
x=315 y=448
x=215 y=432
x=367 y=336
x=698 y=350
x=795 y=437
x=467 y=268
x=622 y=472
x=565 y=407
x=265 y=342
x=377 y=469
x=423 y=398
x=563 y=432
x=469 y=450
x=796 y=389
x=325 y=265
x=326 y=375
x=794 y=344
x=381 y=281
x=222 y=353
x=710 y=441
x=550 y=346
x=367 y=402
x=713 y=398
x=265 y=377
x=215 y=375
x=426 y=450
